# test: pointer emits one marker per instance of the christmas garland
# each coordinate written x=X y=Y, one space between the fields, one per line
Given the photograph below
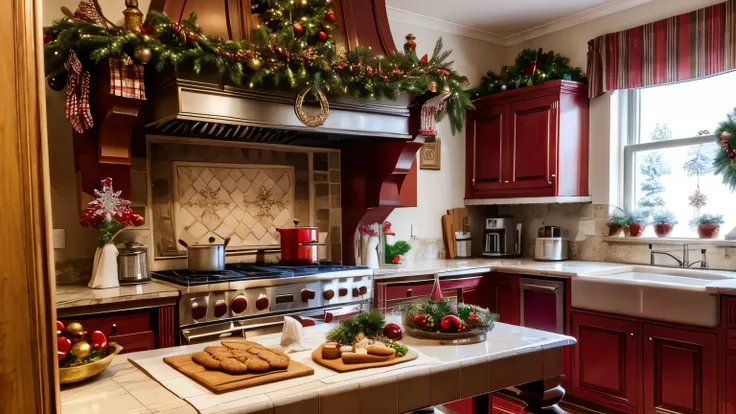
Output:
x=292 y=49
x=530 y=68
x=441 y=316
x=724 y=162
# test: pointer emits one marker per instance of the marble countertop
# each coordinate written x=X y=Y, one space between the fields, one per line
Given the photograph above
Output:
x=527 y=266
x=73 y=296
x=510 y=355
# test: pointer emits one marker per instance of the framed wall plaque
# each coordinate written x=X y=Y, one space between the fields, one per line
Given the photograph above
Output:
x=429 y=155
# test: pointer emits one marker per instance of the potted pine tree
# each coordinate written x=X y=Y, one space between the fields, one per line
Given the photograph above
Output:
x=618 y=222
x=708 y=225
x=639 y=220
x=664 y=221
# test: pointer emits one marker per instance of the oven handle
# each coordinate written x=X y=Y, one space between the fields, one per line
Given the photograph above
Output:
x=539 y=288
x=189 y=336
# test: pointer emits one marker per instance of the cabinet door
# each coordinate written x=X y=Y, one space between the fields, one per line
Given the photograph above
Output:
x=143 y=341
x=505 y=297
x=604 y=368
x=532 y=143
x=486 y=131
x=680 y=371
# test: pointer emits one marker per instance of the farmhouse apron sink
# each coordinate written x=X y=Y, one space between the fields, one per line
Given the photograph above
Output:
x=673 y=295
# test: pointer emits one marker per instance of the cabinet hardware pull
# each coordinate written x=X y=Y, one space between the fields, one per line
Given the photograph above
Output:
x=539 y=288
x=632 y=334
x=473 y=180
x=506 y=181
x=113 y=330
x=408 y=293
x=554 y=175
x=650 y=338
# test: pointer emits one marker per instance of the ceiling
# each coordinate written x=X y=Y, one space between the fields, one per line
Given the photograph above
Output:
x=504 y=21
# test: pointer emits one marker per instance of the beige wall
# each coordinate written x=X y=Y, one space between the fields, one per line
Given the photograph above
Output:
x=438 y=191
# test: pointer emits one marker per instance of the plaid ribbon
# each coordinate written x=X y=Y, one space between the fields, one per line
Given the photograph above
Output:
x=428 y=121
x=77 y=95
x=126 y=78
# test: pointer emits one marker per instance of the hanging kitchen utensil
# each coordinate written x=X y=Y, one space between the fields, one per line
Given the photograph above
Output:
x=206 y=257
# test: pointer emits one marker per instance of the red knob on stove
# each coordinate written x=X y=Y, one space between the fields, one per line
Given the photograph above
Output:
x=356 y=292
x=363 y=290
x=308 y=294
x=262 y=303
x=342 y=292
x=328 y=294
x=198 y=311
x=220 y=308
x=239 y=304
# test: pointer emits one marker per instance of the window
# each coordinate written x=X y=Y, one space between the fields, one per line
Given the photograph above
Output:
x=669 y=147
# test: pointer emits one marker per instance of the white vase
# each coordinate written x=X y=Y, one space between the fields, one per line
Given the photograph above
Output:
x=371 y=254
x=105 y=267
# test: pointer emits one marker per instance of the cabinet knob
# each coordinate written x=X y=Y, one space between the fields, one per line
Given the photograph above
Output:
x=113 y=330
x=632 y=334
x=473 y=180
x=650 y=338
x=553 y=175
x=506 y=181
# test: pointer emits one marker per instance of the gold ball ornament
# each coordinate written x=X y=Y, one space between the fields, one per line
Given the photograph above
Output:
x=142 y=54
x=75 y=329
x=432 y=86
x=81 y=349
x=255 y=64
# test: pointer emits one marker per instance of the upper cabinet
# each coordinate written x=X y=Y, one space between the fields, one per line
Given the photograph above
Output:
x=529 y=142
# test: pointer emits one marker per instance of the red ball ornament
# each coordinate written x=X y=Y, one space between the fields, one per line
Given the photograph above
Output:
x=731 y=154
x=392 y=331
x=176 y=27
x=63 y=345
x=421 y=321
x=322 y=36
x=147 y=29
x=330 y=16
x=451 y=323
x=397 y=259
x=298 y=29
x=191 y=39
x=48 y=38
x=138 y=220
x=98 y=339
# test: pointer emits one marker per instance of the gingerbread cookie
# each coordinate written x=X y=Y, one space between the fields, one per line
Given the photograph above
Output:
x=257 y=365
x=233 y=366
x=205 y=359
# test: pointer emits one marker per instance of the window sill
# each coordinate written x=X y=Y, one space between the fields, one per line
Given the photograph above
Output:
x=670 y=241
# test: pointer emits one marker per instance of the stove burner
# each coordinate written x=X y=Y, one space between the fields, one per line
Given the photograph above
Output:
x=245 y=271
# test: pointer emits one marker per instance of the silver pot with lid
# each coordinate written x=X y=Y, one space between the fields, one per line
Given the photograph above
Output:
x=206 y=257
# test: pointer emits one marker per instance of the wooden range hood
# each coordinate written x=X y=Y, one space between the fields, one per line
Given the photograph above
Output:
x=378 y=169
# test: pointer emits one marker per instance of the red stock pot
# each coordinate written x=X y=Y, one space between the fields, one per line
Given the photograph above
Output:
x=299 y=245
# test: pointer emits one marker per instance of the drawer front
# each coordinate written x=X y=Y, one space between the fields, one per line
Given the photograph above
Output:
x=143 y=341
x=408 y=290
x=123 y=323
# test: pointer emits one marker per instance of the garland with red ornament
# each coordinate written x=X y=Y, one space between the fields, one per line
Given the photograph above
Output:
x=109 y=214
x=724 y=162
x=292 y=48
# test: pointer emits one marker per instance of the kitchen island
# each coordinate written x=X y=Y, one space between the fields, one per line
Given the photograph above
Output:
x=526 y=358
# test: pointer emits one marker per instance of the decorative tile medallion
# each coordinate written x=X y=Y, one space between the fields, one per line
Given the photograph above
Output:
x=429 y=155
x=245 y=202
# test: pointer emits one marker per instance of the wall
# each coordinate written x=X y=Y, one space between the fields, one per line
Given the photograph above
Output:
x=438 y=191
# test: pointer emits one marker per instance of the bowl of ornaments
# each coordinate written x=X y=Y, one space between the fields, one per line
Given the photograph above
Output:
x=449 y=323
x=82 y=354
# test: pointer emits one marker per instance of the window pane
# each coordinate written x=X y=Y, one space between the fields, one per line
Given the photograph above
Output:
x=661 y=180
x=683 y=109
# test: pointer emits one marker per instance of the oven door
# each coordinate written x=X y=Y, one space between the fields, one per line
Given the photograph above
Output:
x=249 y=327
x=542 y=304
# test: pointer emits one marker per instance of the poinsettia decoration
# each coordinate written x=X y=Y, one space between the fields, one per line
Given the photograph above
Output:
x=109 y=213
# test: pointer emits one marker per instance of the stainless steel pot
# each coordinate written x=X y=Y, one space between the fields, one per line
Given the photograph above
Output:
x=133 y=265
x=206 y=257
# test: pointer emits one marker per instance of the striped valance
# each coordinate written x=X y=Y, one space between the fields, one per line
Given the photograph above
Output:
x=688 y=46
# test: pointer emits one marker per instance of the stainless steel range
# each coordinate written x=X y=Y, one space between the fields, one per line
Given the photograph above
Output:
x=253 y=299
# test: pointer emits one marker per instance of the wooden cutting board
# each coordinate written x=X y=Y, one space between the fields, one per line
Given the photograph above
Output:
x=339 y=366
x=448 y=235
x=457 y=218
x=219 y=382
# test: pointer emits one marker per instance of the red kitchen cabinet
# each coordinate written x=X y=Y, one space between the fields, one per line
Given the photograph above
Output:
x=605 y=361
x=504 y=297
x=680 y=371
x=529 y=142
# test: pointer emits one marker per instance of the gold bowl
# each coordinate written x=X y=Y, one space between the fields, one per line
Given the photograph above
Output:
x=82 y=372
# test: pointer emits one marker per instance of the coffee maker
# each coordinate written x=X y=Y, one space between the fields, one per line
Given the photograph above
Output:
x=502 y=237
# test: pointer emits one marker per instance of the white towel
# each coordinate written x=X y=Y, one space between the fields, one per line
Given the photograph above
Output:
x=291 y=336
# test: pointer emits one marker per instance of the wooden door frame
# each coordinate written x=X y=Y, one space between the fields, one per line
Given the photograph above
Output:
x=28 y=368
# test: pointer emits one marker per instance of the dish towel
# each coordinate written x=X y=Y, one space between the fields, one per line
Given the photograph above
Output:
x=291 y=336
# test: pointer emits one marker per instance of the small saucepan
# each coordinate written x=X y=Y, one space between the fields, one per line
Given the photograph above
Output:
x=299 y=245
x=206 y=257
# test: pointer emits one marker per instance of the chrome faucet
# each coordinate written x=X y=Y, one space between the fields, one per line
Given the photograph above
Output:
x=685 y=262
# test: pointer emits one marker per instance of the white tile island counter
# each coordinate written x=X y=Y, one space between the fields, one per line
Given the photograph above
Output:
x=511 y=356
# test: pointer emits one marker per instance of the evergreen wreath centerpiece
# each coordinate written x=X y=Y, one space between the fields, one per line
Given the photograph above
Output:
x=724 y=162
x=440 y=316
x=292 y=48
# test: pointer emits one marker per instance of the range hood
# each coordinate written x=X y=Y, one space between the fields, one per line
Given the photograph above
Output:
x=201 y=106
x=199 y=109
